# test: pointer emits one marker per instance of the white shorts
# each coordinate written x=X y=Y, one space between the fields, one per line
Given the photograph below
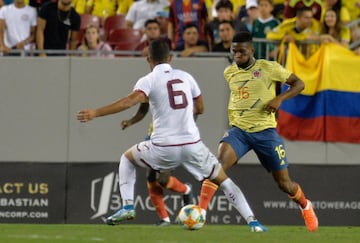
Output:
x=195 y=158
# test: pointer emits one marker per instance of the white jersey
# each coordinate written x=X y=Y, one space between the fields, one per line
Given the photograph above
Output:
x=171 y=93
x=18 y=23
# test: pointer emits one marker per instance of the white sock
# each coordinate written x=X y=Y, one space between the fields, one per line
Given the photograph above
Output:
x=187 y=189
x=167 y=219
x=307 y=207
x=127 y=178
x=237 y=198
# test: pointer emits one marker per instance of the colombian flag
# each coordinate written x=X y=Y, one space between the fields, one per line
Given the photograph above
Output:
x=328 y=109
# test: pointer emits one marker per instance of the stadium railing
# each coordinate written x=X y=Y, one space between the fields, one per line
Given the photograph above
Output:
x=302 y=45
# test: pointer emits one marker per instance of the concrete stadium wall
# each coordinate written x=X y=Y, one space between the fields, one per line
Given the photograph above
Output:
x=39 y=98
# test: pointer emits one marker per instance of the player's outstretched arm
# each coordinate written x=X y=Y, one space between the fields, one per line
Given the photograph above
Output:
x=139 y=115
x=132 y=99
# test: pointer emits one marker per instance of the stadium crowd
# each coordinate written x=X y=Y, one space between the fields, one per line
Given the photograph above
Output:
x=191 y=26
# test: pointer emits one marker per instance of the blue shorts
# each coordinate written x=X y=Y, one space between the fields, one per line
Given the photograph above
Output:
x=267 y=145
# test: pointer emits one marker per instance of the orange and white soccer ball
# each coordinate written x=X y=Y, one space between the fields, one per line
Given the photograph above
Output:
x=191 y=217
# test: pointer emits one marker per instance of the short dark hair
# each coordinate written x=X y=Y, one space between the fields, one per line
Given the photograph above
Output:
x=269 y=1
x=159 y=50
x=227 y=22
x=242 y=36
x=224 y=4
x=151 y=21
x=190 y=25
x=303 y=9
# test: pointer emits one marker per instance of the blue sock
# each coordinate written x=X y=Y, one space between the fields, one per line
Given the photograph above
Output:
x=129 y=207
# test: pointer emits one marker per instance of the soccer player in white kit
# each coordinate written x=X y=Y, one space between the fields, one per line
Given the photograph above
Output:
x=174 y=96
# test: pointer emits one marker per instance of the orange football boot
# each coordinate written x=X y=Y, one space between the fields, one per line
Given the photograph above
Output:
x=310 y=218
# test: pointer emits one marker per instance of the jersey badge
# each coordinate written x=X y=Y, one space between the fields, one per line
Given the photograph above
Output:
x=257 y=73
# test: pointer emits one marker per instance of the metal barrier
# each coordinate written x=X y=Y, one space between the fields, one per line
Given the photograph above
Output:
x=274 y=50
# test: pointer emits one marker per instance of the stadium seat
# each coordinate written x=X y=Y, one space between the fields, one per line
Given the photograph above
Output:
x=117 y=36
x=81 y=34
x=125 y=46
x=113 y=22
x=87 y=19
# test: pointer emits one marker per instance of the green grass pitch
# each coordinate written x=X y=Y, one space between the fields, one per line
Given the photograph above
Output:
x=63 y=233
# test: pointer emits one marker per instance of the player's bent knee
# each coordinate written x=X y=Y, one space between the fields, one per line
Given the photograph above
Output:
x=218 y=175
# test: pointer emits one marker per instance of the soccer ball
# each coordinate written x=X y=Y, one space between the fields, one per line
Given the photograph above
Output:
x=191 y=217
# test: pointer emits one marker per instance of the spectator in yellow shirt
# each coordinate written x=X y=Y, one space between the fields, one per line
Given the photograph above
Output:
x=302 y=27
x=80 y=6
x=124 y=6
x=354 y=8
x=333 y=30
x=344 y=15
x=102 y=8
x=337 y=6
